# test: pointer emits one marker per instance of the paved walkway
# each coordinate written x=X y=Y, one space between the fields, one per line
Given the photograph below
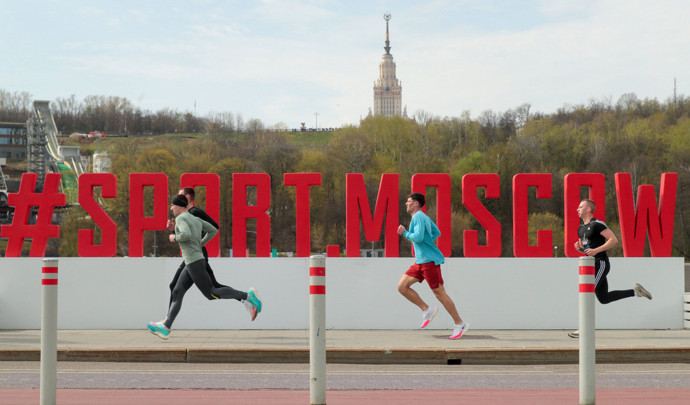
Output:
x=351 y=346
x=299 y=397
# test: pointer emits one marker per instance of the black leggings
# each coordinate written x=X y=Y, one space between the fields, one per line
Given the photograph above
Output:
x=601 y=289
x=173 y=283
x=195 y=273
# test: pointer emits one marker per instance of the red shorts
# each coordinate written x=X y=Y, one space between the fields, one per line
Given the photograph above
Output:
x=431 y=272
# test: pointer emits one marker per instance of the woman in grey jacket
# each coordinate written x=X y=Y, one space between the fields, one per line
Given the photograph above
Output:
x=188 y=234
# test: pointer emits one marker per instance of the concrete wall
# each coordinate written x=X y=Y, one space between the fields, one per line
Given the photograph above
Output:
x=504 y=293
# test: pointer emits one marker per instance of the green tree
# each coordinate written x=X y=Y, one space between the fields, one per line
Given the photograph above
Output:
x=547 y=221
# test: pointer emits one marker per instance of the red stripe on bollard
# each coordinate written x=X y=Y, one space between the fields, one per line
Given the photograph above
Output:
x=587 y=270
x=586 y=288
x=317 y=271
x=49 y=281
x=49 y=269
x=317 y=289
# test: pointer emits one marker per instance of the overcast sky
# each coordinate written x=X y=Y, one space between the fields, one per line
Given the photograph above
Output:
x=284 y=61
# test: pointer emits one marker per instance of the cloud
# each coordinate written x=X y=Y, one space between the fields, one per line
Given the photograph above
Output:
x=285 y=60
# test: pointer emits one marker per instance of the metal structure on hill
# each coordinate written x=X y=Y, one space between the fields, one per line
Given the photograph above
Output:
x=5 y=211
x=46 y=155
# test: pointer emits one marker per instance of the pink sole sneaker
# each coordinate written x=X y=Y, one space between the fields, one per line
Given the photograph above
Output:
x=426 y=322
x=458 y=332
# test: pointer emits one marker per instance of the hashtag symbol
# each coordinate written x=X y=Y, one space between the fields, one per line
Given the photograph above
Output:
x=23 y=201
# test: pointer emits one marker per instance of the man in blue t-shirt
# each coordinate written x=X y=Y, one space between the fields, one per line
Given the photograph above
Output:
x=428 y=259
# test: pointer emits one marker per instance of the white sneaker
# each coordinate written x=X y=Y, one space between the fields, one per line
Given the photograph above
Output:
x=428 y=315
x=574 y=334
x=642 y=292
x=250 y=308
x=459 y=330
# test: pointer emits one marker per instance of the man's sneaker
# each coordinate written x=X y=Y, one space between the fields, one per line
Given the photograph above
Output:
x=159 y=330
x=159 y=323
x=428 y=315
x=642 y=292
x=253 y=298
x=250 y=308
x=574 y=334
x=459 y=330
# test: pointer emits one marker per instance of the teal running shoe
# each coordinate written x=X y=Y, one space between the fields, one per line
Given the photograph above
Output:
x=253 y=298
x=159 y=330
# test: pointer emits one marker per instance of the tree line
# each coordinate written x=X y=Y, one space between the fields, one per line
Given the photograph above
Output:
x=118 y=115
x=644 y=137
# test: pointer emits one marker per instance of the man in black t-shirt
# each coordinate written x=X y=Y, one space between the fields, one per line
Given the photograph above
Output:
x=594 y=239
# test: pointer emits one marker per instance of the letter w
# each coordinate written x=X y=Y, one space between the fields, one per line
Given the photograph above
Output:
x=658 y=219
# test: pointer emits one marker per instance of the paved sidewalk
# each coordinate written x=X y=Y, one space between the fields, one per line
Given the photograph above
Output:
x=351 y=346
x=342 y=397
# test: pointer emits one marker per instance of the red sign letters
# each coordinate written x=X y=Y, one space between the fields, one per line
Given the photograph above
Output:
x=637 y=219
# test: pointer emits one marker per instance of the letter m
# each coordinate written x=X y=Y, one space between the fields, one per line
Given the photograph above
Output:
x=648 y=216
x=387 y=206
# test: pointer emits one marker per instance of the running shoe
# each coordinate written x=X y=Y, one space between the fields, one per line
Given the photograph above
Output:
x=459 y=330
x=159 y=330
x=428 y=315
x=159 y=323
x=642 y=292
x=574 y=334
x=250 y=308
x=253 y=298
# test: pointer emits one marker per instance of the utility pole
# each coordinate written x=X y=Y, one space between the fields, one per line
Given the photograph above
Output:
x=316 y=121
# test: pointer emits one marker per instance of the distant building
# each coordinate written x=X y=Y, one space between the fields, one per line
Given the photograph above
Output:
x=387 y=89
x=13 y=140
x=101 y=162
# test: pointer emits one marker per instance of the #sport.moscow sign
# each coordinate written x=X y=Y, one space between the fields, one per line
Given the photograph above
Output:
x=638 y=220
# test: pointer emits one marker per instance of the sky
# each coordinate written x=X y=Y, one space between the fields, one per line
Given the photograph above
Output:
x=315 y=61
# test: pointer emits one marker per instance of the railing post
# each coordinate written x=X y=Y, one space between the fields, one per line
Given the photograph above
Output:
x=49 y=331
x=587 y=343
x=317 y=330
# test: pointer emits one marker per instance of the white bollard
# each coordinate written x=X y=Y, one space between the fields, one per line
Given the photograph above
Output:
x=317 y=330
x=587 y=343
x=49 y=332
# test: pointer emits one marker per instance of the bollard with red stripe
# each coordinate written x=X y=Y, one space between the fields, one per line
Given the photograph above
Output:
x=49 y=289
x=317 y=329
x=587 y=344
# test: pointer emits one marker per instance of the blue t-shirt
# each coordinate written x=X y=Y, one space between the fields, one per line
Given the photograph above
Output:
x=422 y=233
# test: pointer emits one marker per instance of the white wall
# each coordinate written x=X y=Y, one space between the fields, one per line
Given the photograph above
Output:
x=504 y=293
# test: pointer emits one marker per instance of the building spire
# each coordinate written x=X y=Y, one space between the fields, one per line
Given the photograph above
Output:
x=387 y=17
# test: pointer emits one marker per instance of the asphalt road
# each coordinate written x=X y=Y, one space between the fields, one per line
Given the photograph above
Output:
x=88 y=375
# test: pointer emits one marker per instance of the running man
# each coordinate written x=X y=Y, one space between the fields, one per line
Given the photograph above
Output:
x=188 y=233
x=199 y=213
x=594 y=239
x=428 y=259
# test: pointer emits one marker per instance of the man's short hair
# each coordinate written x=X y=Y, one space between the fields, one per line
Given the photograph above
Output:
x=188 y=191
x=419 y=197
x=591 y=203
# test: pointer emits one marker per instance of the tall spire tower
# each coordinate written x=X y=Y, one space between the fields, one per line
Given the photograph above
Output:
x=387 y=89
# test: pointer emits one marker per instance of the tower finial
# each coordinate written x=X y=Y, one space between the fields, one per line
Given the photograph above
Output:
x=387 y=17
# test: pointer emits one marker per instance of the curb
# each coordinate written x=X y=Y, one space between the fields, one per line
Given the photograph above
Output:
x=501 y=356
